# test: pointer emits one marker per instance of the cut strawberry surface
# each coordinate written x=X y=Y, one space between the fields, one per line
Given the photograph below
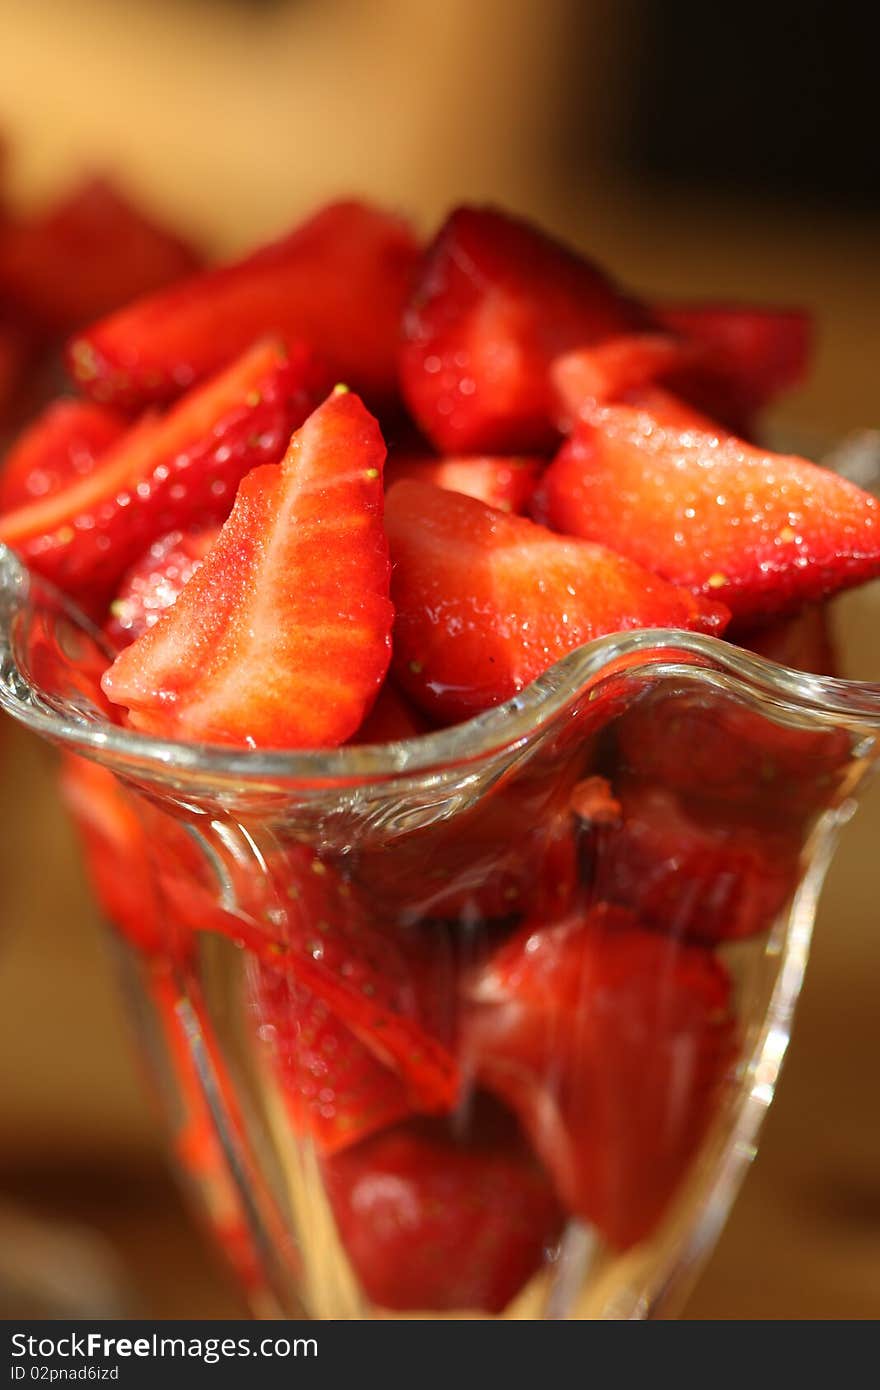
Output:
x=337 y=282
x=763 y=532
x=86 y=255
x=432 y=1223
x=335 y=1090
x=610 y=1043
x=155 y=581
x=166 y=472
x=496 y=301
x=609 y=369
x=748 y=356
x=282 y=638
x=62 y=445
x=505 y=483
x=391 y=719
x=485 y=602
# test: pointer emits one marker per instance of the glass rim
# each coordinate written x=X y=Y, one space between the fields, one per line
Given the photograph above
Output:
x=797 y=693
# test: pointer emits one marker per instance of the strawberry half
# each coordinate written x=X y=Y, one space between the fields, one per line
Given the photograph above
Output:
x=62 y=445
x=434 y=1223
x=282 y=638
x=763 y=532
x=391 y=719
x=495 y=303
x=505 y=483
x=609 y=1042
x=485 y=602
x=337 y=282
x=166 y=473
x=155 y=581
x=608 y=370
x=86 y=255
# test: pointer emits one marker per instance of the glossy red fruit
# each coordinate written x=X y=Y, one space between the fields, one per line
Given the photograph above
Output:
x=154 y=582
x=804 y=641
x=15 y=353
x=282 y=638
x=610 y=1043
x=61 y=446
x=608 y=370
x=432 y=1224
x=763 y=532
x=485 y=602
x=166 y=472
x=747 y=356
x=505 y=483
x=334 y=1089
x=337 y=282
x=495 y=302
x=391 y=719
x=85 y=255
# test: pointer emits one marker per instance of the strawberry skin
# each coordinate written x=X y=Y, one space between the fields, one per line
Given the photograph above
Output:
x=337 y=282
x=166 y=472
x=485 y=602
x=391 y=719
x=435 y=1224
x=154 y=582
x=505 y=483
x=495 y=302
x=62 y=445
x=609 y=1042
x=282 y=638
x=763 y=532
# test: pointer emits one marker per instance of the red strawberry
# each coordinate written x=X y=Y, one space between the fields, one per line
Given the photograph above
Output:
x=486 y=602
x=671 y=410
x=391 y=719
x=15 y=352
x=154 y=582
x=337 y=282
x=700 y=875
x=335 y=1090
x=61 y=446
x=748 y=356
x=166 y=472
x=86 y=255
x=433 y=1223
x=282 y=637
x=505 y=483
x=611 y=368
x=609 y=1042
x=495 y=303
x=804 y=642
x=763 y=532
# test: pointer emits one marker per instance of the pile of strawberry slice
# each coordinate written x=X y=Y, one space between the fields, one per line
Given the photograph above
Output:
x=351 y=489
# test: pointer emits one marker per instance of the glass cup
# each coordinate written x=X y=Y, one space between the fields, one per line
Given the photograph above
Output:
x=479 y=1024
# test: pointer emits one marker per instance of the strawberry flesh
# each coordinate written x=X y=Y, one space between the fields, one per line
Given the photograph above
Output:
x=505 y=483
x=155 y=581
x=62 y=445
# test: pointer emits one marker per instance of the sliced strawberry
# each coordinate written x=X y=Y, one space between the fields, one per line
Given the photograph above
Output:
x=669 y=409
x=505 y=483
x=495 y=303
x=335 y=1090
x=337 y=282
x=748 y=356
x=154 y=582
x=391 y=719
x=486 y=602
x=15 y=352
x=804 y=642
x=61 y=446
x=85 y=255
x=434 y=1223
x=282 y=638
x=609 y=1042
x=699 y=875
x=763 y=532
x=166 y=472
x=607 y=370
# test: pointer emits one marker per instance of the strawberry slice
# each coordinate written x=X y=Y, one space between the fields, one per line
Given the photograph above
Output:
x=434 y=1223
x=804 y=642
x=763 y=532
x=154 y=582
x=282 y=638
x=337 y=282
x=608 y=370
x=495 y=303
x=166 y=472
x=86 y=255
x=699 y=875
x=391 y=719
x=15 y=353
x=748 y=356
x=61 y=446
x=335 y=1090
x=610 y=1043
x=505 y=483
x=486 y=602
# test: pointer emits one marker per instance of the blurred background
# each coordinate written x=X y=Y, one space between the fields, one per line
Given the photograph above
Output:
x=695 y=152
